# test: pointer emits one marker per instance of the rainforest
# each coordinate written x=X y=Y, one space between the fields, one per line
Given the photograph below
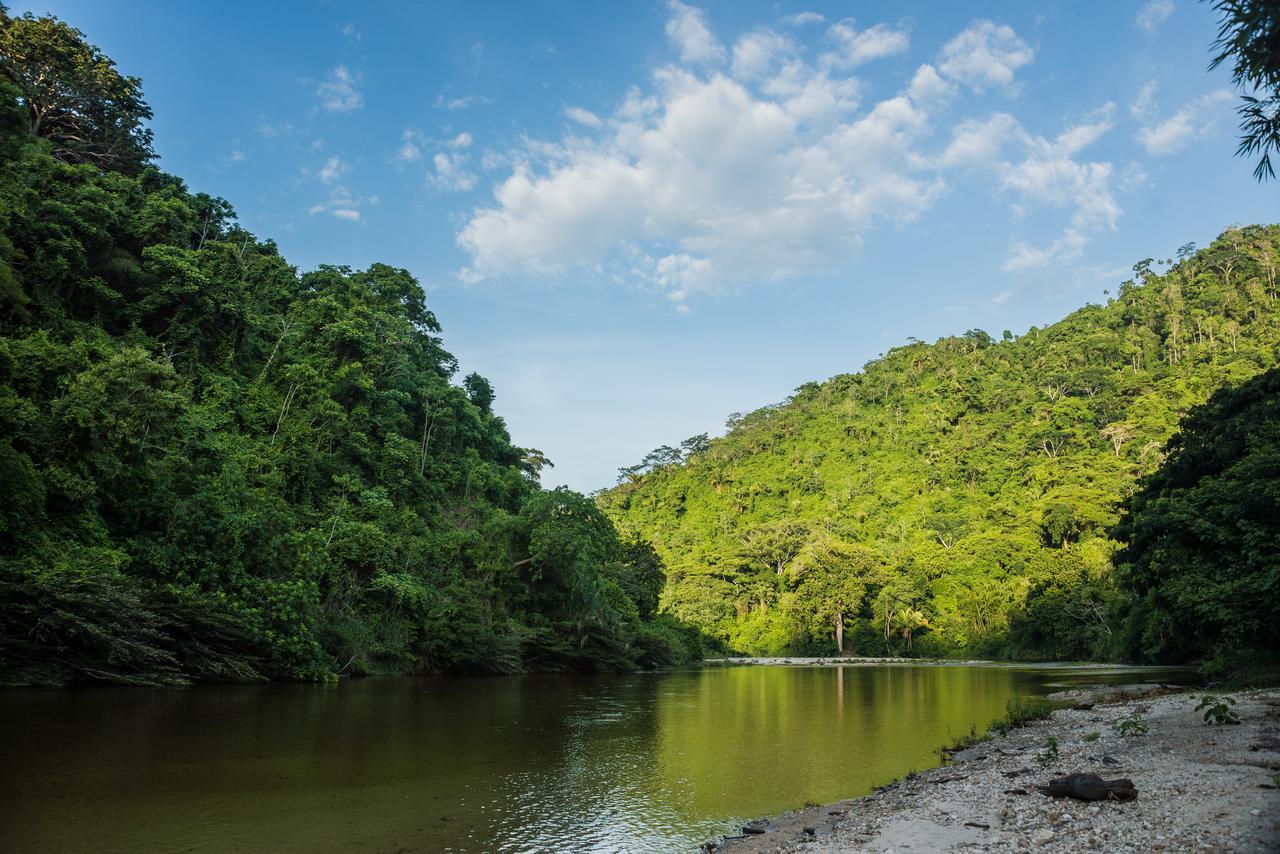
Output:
x=220 y=467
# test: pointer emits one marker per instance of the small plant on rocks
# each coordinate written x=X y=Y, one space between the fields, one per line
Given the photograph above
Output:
x=1092 y=736
x=1135 y=724
x=1050 y=753
x=1217 y=710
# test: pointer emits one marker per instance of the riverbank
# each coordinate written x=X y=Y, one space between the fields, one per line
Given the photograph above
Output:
x=1199 y=787
x=778 y=661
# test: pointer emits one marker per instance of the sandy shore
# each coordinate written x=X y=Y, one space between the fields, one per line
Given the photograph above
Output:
x=1200 y=787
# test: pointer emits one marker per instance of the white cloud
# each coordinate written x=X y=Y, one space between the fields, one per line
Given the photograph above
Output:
x=985 y=56
x=714 y=185
x=1153 y=14
x=451 y=173
x=704 y=181
x=1051 y=176
x=800 y=19
x=981 y=142
x=342 y=204
x=410 y=150
x=349 y=30
x=927 y=87
x=339 y=94
x=855 y=47
x=270 y=130
x=756 y=54
x=583 y=117
x=462 y=140
x=461 y=102
x=1169 y=134
x=687 y=29
x=332 y=170
x=1003 y=297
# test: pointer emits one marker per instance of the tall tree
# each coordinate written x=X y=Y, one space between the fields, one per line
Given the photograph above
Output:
x=73 y=95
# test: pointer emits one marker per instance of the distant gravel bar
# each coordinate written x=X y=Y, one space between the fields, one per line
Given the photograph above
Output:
x=1200 y=788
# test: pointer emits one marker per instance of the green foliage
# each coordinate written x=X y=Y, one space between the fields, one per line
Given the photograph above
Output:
x=1134 y=724
x=962 y=495
x=1021 y=711
x=73 y=96
x=218 y=468
x=1203 y=532
x=1092 y=736
x=1217 y=709
x=1249 y=36
x=1049 y=753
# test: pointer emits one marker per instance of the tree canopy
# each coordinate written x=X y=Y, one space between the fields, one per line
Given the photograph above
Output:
x=73 y=96
x=958 y=498
x=1202 y=532
x=221 y=467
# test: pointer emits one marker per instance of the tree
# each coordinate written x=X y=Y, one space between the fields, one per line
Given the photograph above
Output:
x=830 y=578
x=480 y=391
x=775 y=543
x=74 y=96
x=909 y=622
x=1249 y=36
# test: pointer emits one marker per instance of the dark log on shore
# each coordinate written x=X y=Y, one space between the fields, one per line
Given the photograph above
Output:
x=1089 y=787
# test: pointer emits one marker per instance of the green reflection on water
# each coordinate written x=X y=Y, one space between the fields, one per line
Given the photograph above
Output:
x=635 y=762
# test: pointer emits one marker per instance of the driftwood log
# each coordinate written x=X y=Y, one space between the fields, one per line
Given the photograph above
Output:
x=1089 y=787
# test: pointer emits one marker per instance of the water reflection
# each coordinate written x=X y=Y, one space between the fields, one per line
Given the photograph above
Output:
x=636 y=762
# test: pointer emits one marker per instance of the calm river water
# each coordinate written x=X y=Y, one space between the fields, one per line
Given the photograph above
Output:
x=644 y=762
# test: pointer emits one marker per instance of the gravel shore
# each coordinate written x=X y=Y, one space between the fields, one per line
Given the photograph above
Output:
x=1200 y=788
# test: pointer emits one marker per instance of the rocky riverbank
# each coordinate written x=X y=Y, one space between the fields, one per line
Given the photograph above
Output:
x=1199 y=787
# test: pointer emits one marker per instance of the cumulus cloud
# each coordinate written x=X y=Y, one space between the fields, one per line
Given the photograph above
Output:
x=770 y=166
x=339 y=93
x=985 y=56
x=756 y=54
x=688 y=31
x=1164 y=135
x=713 y=184
x=1153 y=14
x=855 y=47
x=583 y=117
x=928 y=87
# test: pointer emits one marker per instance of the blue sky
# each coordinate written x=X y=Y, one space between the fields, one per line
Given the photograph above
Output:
x=636 y=218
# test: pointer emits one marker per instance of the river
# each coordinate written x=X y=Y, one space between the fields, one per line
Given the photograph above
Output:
x=639 y=762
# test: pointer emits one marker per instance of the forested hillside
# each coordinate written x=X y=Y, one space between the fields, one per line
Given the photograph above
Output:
x=959 y=497
x=216 y=466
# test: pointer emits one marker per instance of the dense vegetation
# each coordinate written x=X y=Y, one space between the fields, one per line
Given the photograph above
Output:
x=220 y=468
x=1202 y=533
x=217 y=467
x=959 y=498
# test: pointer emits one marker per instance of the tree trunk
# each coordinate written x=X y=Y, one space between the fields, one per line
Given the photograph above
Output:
x=840 y=634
